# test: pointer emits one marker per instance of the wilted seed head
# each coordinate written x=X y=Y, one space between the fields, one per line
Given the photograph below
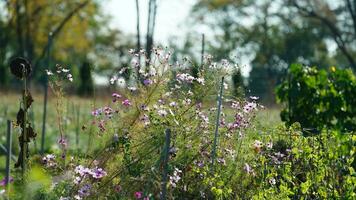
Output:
x=20 y=67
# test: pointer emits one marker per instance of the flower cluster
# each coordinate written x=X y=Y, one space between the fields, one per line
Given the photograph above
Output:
x=106 y=111
x=115 y=97
x=82 y=172
x=83 y=192
x=49 y=160
x=174 y=179
x=243 y=116
x=187 y=78
x=63 y=72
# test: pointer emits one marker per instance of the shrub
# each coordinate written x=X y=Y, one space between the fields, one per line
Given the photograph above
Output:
x=319 y=98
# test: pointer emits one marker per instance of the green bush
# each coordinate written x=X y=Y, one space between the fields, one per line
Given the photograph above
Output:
x=319 y=98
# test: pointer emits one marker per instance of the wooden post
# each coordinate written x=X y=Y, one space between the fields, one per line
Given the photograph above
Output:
x=77 y=127
x=213 y=153
x=8 y=153
x=46 y=94
x=165 y=164
x=202 y=51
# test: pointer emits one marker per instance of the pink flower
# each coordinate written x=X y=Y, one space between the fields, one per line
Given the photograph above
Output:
x=126 y=102
x=115 y=97
x=62 y=141
x=138 y=195
x=117 y=188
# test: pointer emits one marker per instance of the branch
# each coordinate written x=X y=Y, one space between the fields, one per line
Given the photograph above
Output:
x=334 y=31
x=352 y=13
x=58 y=29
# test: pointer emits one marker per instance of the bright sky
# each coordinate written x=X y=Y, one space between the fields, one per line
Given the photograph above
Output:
x=170 y=15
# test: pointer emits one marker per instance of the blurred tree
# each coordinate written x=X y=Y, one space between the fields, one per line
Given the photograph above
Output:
x=267 y=34
x=152 y=12
x=78 y=28
x=238 y=83
x=86 y=87
x=339 y=17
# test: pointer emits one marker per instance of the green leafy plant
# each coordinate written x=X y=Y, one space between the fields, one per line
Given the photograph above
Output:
x=319 y=98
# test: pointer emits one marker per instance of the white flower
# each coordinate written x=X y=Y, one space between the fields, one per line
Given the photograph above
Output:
x=77 y=197
x=173 y=104
x=254 y=97
x=49 y=73
x=162 y=112
x=201 y=81
x=131 y=51
x=186 y=101
x=65 y=70
x=226 y=86
x=77 y=180
x=272 y=181
x=113 y=79
x=132 y=89
x=70 y=77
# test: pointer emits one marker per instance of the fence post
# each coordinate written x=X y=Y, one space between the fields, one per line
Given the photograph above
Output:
x=213 y=153
x=46 y=94
x=202 y=51
x=77 y=127
x=8 y=156
x=165 y=164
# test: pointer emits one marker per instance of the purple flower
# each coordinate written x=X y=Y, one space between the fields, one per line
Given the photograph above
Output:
x=98 y=173
x=3 y=182
x=97 y=112
x=82 y=171
x=147 y=82
x=126 y=102
x=84 y=191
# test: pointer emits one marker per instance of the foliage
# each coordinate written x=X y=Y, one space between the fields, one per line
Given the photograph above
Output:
x=319 y=167
x=123 y=158
x=329 y=95
x=268 y=36
x=238 y=84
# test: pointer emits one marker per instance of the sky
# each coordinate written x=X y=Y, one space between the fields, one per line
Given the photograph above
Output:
x=171 y=15
x=170 y=19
